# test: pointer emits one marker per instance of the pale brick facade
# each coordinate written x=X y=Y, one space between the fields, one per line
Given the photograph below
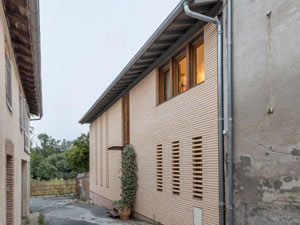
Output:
x=260 y=79
x=189 y=115
x=105 y=132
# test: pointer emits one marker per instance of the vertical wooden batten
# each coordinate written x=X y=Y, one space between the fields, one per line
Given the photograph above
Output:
x=126 y=123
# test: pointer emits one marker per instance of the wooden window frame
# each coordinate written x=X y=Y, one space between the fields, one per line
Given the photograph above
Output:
x=194 y=47
x=189 y=51
x=161 y=82
x=177 y=59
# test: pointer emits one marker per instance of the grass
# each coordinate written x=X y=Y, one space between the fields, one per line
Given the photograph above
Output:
x=41 y=219
x=82 y=199
x=26 y=221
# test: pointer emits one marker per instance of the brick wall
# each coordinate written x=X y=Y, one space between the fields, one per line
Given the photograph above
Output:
x=179 y=121
x=105 y=164
x=9 y=182
x=174 y=124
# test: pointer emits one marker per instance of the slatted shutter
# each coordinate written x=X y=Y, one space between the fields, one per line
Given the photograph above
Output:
x=197 y=167
x=159 y=168
x=21 y=112
x=8 y=82
x=175 y=168
x=26 y=127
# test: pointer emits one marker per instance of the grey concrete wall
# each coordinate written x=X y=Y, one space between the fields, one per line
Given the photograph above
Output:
x=266 y=112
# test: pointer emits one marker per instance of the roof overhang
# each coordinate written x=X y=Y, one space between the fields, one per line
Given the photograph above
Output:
x=23 y=21
x=170 y=35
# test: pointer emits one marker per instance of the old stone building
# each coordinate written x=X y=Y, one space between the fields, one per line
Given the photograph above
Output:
x=20 y=99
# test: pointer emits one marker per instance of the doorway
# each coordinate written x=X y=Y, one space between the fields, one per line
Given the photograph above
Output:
x=24 y=190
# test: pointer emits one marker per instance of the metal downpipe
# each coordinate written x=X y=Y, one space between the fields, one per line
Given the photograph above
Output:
x=230 y=113
x=220 y=104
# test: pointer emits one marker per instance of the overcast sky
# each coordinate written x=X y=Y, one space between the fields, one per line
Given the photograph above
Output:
x=85 y=44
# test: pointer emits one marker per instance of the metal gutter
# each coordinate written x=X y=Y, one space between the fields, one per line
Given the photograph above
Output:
x=34 y=25
x=220 y=104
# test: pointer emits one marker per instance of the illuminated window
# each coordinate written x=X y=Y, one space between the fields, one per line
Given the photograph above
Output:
x=182 y=74
x=199 y=62
x=183 y=71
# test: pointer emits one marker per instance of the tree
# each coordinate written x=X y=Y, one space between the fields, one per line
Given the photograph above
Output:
x=78 y=156
x=60 y=162
x=46 y=171
x=35 y=160
x=56 y=159
x=49 y=146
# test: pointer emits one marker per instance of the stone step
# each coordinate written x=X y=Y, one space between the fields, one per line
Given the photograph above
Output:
x=113 y=214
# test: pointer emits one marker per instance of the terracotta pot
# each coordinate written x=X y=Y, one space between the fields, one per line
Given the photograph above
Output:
x=124 y=215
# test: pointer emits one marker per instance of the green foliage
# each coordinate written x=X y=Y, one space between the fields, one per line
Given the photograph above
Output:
x=26 y=221
x=78 y=156
x=35 y=160
x=49 y=146
x=128 y=179
x=82 y=199
x=46 y=171
x=55 y=159
x=41 y=219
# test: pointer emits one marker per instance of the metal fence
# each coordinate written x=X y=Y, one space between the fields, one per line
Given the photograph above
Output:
x=52 y=187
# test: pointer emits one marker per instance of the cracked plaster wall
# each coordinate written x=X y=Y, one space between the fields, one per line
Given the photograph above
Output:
x=266 y=144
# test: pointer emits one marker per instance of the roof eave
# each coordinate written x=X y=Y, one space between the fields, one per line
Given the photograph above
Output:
x=117 y=88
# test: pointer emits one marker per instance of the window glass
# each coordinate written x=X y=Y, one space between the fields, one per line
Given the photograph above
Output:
x=182 y=73
x=167 y=88
x=200 y=63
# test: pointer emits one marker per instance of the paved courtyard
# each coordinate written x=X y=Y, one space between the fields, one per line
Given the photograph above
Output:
x=68 y=211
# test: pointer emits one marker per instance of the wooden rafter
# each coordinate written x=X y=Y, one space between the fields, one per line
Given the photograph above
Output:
x=17 y=13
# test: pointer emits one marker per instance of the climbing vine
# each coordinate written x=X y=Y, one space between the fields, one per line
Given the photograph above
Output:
x=128 y=179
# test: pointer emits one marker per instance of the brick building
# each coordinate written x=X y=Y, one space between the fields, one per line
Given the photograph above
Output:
x=174 y=104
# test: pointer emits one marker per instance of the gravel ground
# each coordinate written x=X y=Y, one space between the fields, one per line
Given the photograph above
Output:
x=68 y=211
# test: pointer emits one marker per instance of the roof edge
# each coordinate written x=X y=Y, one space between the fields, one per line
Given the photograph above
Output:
x=34 y=24
x=178 y=9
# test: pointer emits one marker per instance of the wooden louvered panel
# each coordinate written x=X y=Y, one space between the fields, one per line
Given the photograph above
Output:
x=159 y=168
x=175 y=168
x=197 y=167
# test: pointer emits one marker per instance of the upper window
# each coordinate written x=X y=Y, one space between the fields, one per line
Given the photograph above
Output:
x=8 y=82
x=181 y=72
x=24 y=122
x=199 y=61
x=185 y=71
x=165 y=91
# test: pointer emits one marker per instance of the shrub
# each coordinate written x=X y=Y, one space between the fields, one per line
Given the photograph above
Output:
x=41 y=220
x=128 y=179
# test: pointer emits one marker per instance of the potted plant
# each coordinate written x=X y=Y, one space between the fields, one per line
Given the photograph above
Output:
x=128 y=183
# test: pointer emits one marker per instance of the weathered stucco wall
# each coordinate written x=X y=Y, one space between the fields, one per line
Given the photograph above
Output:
x=10 y=128
x=266 y=145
